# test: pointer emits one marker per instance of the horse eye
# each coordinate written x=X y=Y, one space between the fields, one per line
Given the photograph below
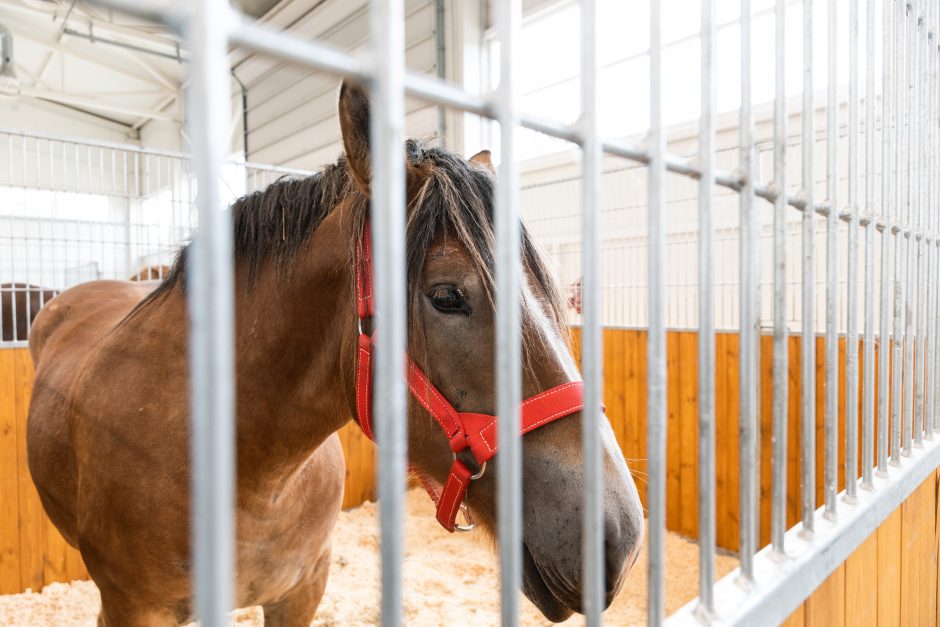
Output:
x=448 y=299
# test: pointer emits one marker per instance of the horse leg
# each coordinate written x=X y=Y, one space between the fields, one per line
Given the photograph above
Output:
x=298 y=608
x=117 y=611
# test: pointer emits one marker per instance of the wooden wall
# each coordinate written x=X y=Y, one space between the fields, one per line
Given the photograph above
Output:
x=892 y=577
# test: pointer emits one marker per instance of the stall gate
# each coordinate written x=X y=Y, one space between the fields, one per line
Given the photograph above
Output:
x=897 y=209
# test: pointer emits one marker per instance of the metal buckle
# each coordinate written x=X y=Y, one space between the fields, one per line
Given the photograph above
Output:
x=470 y=526
x=479 y=472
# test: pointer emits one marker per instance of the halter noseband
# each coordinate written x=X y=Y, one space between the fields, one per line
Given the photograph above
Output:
x=464 y=429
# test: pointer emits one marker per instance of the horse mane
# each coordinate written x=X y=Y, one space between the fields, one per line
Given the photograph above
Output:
x=454 y=197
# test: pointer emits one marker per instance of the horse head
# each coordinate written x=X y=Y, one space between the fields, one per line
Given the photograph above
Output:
x=452 y=332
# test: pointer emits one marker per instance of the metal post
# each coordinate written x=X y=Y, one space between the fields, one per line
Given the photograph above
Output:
x=508 y=315
x=831 y=421
x=851 y=299
x=778 y=520
x=808 y=352
x=868 y=376
x=656 y=350
x=907 y=414
x=706 y=335
x=898 y=244
x=388 y=231
x=592 y=349
x=211 y=313
x=750 y=314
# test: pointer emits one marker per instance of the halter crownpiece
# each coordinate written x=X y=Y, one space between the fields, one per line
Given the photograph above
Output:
x=463 y=429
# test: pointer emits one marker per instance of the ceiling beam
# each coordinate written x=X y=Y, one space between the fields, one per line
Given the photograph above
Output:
x=104 y=61
x=94 y=104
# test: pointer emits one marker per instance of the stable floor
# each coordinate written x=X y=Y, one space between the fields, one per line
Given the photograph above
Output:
x=469 y=596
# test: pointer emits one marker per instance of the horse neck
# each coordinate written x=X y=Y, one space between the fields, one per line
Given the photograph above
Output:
x=295 y=355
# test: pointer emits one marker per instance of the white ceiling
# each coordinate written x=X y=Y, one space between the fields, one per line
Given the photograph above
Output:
x=93 y=61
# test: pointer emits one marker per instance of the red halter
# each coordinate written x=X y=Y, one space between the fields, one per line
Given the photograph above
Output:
x=464 y=430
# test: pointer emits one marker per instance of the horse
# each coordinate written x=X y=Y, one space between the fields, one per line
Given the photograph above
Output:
x=108 y=430
x=26 y=300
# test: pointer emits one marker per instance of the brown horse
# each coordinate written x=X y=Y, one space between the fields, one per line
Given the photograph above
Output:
x=25 y=300
x=109 y=423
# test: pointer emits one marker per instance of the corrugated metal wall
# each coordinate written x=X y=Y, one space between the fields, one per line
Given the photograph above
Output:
x=292 y=110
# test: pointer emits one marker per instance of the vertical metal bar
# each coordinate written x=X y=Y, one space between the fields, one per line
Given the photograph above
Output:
x=706 y=335
x=931 y=228
x=509 y=355
x=897 y=346
x=211 y=312
x=656 y=349
x=868 y=388
x=592 y=350
x=921 y=351
x=907 y=415
x=831 y=420
x=388 y=230
x=808 y=352
x=851 y=299
x=750 y=313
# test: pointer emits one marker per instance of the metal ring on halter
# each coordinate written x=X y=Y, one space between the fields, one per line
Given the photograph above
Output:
x=479 y=472
x=470 y=526
x=359 y=324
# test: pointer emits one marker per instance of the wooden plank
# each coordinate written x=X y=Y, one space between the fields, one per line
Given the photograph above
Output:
x=614 y=369
x=826 y=606
x=631 y=411
x=31 y=513
x=820 y=419
x=914 y=519
x=9 y=499
x=797 y=618
x=794 y=431
x=931 y=566
x=730 y=441
x=861 y=584
x=766 y=435
x=673 y=450
x=688 y=425
x=889 y=571
x=639 y=357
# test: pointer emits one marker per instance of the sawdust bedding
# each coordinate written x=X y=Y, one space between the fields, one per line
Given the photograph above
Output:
x=469 y=595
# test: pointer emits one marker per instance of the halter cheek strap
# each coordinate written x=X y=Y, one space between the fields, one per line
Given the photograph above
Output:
x=464 y=430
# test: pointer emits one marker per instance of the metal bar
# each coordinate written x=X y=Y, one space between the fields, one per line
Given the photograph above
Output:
x=388 y=230
x=211 y=312
x=778 y=516
x=868 y=376
x=706 y=335
x=851 y=299
x=656 y=349
x=750 y=224
x=508 y=315
x=592 y=535
x=907 y=415
x=898 y=244
x=922 y=258
x=808 y=349
x=831 y=418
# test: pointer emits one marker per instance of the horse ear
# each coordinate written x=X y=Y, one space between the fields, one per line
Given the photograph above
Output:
x=483 y=158
x=354 y=122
